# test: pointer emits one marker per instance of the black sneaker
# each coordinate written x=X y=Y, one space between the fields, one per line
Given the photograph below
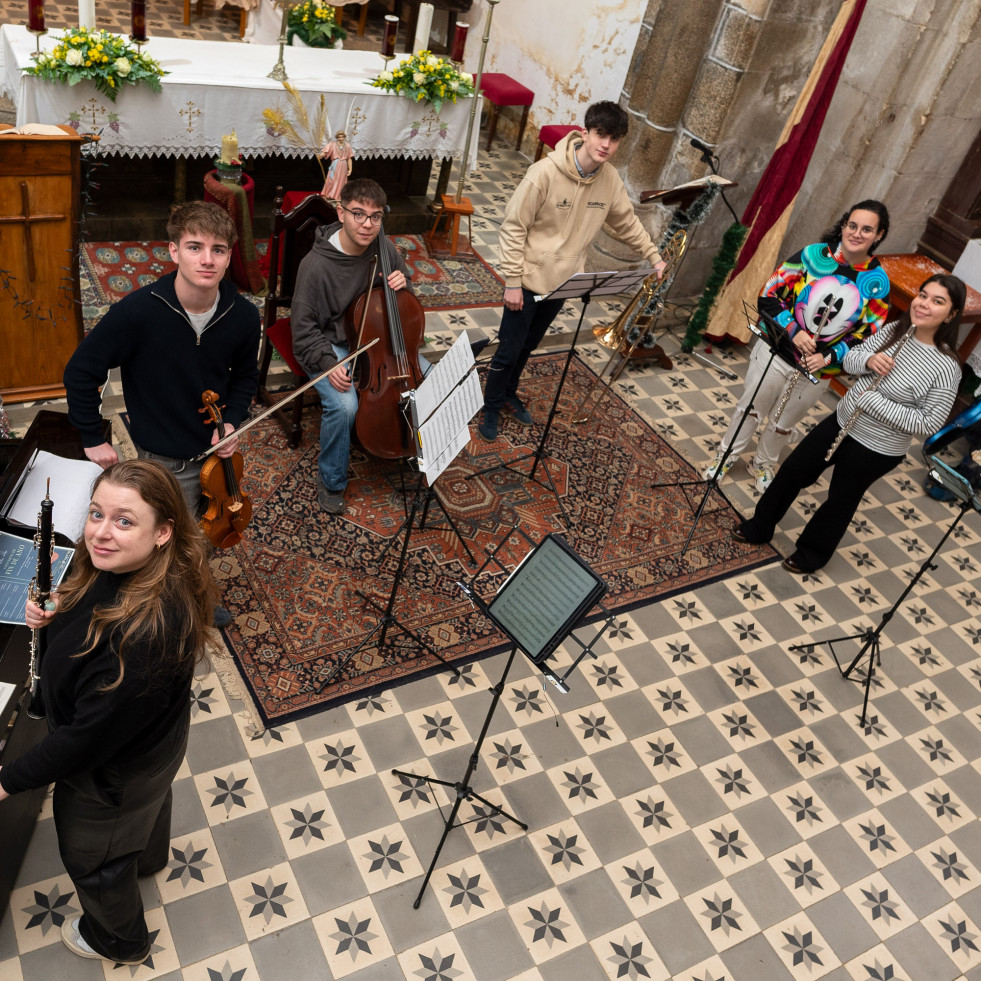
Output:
x=330 y=501
x=521 y=414
x=487 y=430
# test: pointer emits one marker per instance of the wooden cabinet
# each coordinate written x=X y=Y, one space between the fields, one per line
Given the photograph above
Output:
x=40 y=307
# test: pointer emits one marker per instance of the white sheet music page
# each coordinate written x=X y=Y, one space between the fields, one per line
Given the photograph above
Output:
x=444 y=377
x=71 y=491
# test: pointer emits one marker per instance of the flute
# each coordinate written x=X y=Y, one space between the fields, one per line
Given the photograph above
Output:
x=857 y=411
x=39 y=592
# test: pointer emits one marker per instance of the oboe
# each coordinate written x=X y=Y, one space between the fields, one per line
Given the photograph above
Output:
x=39 y=592
x=857 y=411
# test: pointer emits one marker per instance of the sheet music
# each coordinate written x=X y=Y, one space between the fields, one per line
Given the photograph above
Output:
x=598 y=284
x=447 y=430
x=443 y=378
x=18 y=563
x=71 y=491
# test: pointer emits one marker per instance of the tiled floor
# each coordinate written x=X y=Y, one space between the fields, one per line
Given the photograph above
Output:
x=702 y=805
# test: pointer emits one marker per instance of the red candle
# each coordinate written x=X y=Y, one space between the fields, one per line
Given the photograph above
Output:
x=35 y=15
x=139 y=20
x=391 y=31
x=459 y=42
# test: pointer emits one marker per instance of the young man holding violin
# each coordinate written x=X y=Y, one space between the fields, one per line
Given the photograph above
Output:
x=331 y=277
x=188 y=332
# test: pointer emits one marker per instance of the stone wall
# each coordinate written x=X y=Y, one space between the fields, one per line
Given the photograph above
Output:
x=905 y=114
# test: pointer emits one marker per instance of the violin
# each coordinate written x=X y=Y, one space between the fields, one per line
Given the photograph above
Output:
x=397 y=320
x=229 y=510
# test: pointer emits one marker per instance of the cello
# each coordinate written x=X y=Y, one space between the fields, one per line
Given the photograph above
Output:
x=397 y=320
x=229 y=510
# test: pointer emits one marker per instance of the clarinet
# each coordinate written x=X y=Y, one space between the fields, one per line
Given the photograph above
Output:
x=39 y=592
x=856 y=412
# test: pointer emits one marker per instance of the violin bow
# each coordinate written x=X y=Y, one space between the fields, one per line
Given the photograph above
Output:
x=288 y=398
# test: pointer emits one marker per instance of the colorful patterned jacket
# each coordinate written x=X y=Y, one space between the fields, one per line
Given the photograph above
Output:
x=818 y=291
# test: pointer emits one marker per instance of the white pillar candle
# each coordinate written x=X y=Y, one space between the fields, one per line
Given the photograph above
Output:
x=86 y=13
x=423 y=27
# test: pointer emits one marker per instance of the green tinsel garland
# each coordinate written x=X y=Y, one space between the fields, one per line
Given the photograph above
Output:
x=722 y=265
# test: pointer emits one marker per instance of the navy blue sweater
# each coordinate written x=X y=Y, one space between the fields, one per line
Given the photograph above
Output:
x=166 y=367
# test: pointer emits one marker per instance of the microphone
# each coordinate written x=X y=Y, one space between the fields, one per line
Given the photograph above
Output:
x=699 y=145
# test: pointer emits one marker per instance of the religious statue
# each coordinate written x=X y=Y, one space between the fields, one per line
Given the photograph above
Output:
x=340 y=153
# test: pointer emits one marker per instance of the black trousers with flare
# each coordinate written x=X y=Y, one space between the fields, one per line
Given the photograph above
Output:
x=856 y=469
x=113 y=826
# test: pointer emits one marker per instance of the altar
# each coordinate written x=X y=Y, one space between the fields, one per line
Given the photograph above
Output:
x=214 y=87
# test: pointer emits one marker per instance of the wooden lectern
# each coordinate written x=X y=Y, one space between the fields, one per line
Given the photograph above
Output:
x=40 y=307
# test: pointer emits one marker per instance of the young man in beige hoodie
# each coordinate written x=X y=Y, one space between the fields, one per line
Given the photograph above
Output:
x=555 y=213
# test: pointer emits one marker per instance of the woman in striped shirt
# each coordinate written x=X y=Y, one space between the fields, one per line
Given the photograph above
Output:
x=913 y=397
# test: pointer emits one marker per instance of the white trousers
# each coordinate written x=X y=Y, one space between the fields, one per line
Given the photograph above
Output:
x=775 y=435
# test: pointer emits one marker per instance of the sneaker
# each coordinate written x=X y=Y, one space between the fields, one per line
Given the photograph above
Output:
x=762 y=474
x=709 y=472
x=487 y=430
x=72 y=939
x=521 y=414
x=330 y=501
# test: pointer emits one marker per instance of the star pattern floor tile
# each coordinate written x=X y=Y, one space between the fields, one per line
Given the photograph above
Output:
x=702 y=806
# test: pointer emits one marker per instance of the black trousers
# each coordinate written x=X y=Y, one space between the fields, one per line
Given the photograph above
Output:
x=857 y=468
x=113 y=826
x=520 y=333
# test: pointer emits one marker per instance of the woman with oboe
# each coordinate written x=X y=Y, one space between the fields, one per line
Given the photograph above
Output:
x=129 y=626
x=829 y=296
x=908 y=377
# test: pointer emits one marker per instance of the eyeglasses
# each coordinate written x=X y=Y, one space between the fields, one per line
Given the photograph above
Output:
x=360 y=217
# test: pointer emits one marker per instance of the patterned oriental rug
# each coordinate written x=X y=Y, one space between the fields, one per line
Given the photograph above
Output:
x=291 y=584
x=114 y=269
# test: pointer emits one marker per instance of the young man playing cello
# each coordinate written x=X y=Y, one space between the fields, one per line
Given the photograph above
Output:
x=331 y=277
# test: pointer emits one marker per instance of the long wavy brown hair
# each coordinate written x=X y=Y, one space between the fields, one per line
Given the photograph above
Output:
x=169 y=603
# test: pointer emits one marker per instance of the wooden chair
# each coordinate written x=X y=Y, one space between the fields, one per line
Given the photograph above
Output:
x=292 y=238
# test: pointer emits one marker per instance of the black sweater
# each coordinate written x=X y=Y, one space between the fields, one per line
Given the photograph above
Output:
x=166 y=368
x=90 y=728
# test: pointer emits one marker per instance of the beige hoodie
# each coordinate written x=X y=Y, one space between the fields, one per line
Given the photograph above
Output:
x=554 y=215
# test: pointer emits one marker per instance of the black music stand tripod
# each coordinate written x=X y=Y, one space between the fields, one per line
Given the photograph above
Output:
x=551 y=565
x=778 y=341
x=388 y=618
x=871 y=645
x=581 y=286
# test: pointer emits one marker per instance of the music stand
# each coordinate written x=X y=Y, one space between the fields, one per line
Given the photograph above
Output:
x=539 y=605
x=776 y=338
x=583 y=286
x=961 y=487
x=437 y=414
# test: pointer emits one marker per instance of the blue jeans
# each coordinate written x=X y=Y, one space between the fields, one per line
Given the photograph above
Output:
x=521 y=332
x=336 y=420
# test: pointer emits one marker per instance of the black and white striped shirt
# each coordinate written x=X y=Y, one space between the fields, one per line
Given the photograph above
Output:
x=914 y=399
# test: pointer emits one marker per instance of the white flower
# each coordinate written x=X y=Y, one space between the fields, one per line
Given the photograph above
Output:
x=432 y=61
x=123 y=67
x=418 y=78
x=454 y=86
x=466 y=77
x=73 y=57
x=386 y=76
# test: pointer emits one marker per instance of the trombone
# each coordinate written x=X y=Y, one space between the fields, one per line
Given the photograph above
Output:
x=632 y=326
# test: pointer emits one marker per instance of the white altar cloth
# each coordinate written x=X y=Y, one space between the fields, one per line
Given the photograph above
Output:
x=217 y=86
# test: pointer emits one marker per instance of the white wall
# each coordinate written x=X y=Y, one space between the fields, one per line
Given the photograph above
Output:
x=570 y=53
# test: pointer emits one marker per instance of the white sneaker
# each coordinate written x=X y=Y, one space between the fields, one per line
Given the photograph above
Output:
x=762 y=474
x=709 y=472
